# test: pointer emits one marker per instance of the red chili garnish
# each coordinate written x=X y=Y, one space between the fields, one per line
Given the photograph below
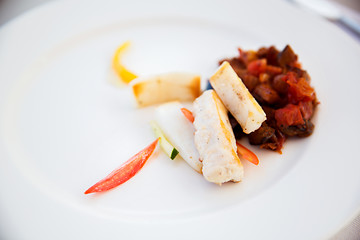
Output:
x=126 y=171
x=188 y=114
x=247 y=154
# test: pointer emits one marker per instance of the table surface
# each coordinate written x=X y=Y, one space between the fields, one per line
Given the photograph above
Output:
x=10 y=9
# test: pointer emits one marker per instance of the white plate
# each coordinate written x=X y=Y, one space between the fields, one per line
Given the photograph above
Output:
x=64 y=126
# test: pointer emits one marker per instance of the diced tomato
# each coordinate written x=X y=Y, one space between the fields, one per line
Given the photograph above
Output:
x=299 y=89
x=289 y=115
x=290 y=77
x=256 y=67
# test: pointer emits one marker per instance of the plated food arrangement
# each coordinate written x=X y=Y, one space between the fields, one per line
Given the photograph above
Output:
x=263 y=95
x=282 y=88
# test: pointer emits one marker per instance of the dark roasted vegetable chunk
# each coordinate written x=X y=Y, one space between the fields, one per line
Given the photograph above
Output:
x=262 y=135
x=287 y=57
x=264 y=93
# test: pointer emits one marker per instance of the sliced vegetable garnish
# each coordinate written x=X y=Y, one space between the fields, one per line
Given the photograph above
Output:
x=123 y=73
x=247 y=154
x=126 y=171
x=164 y=143
x=188 y=114
x=179 y=132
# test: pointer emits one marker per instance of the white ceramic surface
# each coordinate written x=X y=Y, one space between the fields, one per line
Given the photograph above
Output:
x=63 y=125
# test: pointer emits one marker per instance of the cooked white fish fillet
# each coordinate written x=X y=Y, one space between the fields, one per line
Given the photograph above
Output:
x=215 y=141
x=237 y=98
x=166 y=87
x=179 y=131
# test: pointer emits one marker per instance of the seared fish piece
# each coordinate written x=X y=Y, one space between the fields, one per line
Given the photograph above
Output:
x=237 y=98
x=166 y=87
x=215 y=141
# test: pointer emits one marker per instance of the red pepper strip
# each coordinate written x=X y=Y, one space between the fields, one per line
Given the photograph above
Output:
x=188 y=114
x=247 y=154
x=126 y=171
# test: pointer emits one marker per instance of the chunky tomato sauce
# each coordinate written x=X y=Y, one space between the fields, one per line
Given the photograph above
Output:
x=282 y=88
